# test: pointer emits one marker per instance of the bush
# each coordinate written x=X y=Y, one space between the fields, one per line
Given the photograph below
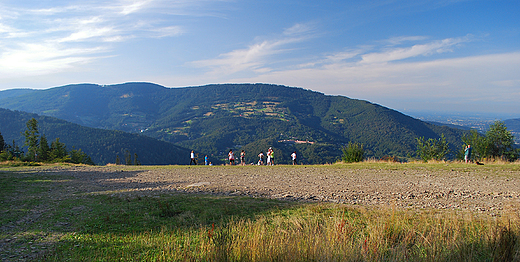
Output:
x=353 y=152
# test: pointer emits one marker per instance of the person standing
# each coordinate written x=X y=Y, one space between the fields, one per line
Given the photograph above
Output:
x=192 y=156
x=293 y=156
x=243 y=158
x=467 y=154
x=261 y=158
x=270 y=156
x=206 y=160
x=231 y=157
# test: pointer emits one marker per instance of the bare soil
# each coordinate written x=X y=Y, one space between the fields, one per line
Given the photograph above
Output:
x=476 y=189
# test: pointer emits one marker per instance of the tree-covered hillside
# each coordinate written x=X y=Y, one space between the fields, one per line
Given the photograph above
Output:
x=214 y=118
x=103 y=146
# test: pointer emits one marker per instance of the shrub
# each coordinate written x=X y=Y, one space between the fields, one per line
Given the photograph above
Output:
x=353 y=152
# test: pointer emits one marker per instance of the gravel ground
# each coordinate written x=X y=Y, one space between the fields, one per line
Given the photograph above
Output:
x=483 y=190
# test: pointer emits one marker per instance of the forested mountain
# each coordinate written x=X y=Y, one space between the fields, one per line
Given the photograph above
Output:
x=214 y=118
x=103 y=146
x=14 y=92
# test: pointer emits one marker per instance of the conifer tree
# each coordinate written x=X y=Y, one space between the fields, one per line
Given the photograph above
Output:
x=58 y=150
x=128 y=158
x=44 y=150
x=2 y=142
x=136 y=162
x=32 y=138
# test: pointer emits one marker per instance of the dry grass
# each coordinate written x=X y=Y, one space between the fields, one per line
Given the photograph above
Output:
x=322 y=232
x=332 y=233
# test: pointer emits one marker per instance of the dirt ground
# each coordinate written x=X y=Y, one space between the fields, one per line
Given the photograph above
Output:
x=475 y=189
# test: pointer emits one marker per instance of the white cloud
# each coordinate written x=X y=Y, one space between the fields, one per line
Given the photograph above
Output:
x=394 y=54
x=37 y=59
x=255 y=58
x=59 y=37
x=132 y=6
x=167 y=31
x=298 y=29
x=401 y=39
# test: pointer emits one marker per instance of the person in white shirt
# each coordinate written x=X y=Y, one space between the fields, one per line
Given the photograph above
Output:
x=192 y=155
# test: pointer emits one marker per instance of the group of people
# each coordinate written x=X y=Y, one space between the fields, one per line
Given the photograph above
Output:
x=270 y=157
x=231 y=158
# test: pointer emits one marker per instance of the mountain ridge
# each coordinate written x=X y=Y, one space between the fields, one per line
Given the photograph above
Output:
x=216 y=118
x=103 y=146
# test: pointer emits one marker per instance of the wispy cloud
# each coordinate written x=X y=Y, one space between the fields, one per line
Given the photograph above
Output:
x=256 y=57
x=54 y=38
x=394 y=54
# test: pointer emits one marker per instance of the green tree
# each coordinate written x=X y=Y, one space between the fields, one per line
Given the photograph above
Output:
x=32 y=139
x=353 y=152
x=44 y=151
x=128 y=158
x=478 y=144
x=14 y=151
x=58 y=151
x=498 y=142
x=431 y=148
x=80 y=157
x=2 y=142
x=136 y=162
x=501 y=142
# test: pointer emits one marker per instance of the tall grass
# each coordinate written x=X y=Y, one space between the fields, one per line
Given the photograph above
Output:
x=313 y=232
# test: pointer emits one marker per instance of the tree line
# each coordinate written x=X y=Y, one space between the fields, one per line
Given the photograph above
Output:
x=496 y=143
x=39 y=150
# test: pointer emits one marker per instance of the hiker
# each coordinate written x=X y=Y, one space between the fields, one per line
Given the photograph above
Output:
x=243 y=158
x=270 y=156
x=467 y=154
x=261 y=158
x=293 y=156
x=192 y=155
x=231 y=157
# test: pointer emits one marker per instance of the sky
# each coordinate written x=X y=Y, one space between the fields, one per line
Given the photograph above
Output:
x=409 y=55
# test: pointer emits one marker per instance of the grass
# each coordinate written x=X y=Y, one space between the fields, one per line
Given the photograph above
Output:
x=45 y=219
x=433 y=165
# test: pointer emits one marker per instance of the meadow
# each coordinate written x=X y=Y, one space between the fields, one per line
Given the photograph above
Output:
x=46 y=217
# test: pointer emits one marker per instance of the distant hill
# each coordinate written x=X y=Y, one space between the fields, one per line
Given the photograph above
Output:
x=513 y=125
x=14 y=93
x=215 y=118
x=102 y=145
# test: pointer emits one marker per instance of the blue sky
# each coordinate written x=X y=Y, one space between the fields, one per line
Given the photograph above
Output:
x=417 y=55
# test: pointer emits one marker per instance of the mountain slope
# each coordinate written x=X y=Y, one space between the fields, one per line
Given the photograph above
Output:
x=102 y=145
x=14 y=93
x=215 y=118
